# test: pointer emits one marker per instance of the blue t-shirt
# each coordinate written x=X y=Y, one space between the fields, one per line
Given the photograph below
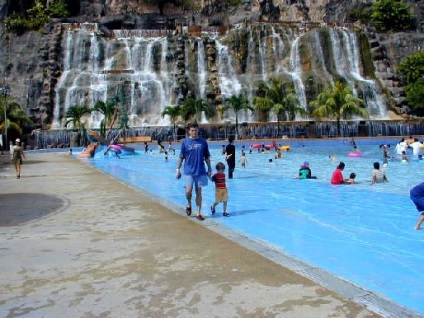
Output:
x=194 y=152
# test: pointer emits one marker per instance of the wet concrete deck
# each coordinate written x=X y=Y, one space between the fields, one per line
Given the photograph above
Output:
x=75 y=242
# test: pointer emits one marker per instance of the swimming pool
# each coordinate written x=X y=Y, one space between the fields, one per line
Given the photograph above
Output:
x=363 y=233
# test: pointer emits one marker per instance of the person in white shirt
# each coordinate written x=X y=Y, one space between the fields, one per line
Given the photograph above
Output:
x=416 y=147
x=401 y=146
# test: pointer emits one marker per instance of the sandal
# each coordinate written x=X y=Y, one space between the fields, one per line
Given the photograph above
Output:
x=226 y=214
x=200 y=217
x=188 y=210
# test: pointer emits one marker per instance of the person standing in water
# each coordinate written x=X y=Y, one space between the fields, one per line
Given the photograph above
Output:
x=230 y=156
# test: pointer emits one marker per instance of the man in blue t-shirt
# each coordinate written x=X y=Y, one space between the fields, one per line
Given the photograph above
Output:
x=194 y=153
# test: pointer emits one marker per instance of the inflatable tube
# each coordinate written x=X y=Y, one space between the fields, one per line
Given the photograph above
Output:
x=354 y=154
x=116 y=147
x=269 y=146
x=256 y=146
x=284 y=148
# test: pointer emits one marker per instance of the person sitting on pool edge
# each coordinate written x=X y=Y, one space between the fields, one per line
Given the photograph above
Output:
x=337 y=176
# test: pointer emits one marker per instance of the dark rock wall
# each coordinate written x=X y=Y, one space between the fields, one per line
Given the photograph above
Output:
x=31 y=62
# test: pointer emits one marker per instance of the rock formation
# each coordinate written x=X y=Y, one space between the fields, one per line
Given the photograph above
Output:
x=33 y=62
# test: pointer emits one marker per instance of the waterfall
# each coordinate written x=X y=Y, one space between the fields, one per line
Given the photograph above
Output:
x=296 y=73
x=346 y=56
x=262 y=56
x=201 y=66
x=229 y=83
x=319 y=64
x=143 y=68
x=278 y=47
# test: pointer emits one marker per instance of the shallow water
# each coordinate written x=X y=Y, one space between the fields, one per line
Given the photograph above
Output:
x=363 y=233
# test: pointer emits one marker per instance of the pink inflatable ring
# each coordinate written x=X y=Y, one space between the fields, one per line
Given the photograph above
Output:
x=354 y=154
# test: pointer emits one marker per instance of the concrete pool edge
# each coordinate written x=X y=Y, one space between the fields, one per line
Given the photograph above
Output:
x=370 y=300
x=347 y=289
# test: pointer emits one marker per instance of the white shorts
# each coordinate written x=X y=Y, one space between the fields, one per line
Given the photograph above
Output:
x=197 y=181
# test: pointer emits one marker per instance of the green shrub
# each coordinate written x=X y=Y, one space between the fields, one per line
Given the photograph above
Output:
x=360 y=12
x=392 y=15
x=16 y=23
x=36 y=17
x=58 y=9
x=412 y=68
x=415 y=96
x=234 y=2
x=411 y=71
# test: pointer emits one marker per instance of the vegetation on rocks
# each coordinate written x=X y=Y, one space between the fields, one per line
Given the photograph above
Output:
x=411 y=71
x=35 y=17
x=392 y=15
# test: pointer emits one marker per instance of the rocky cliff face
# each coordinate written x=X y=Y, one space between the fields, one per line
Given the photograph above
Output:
x=32 y=63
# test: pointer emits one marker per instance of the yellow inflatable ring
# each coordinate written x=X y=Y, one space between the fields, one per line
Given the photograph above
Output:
x=284 y=148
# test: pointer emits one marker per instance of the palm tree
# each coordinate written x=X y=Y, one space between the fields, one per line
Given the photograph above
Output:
x=236 y=104
x=173 y=112
x=15 y=116
x=288 y=106
x=108 y=109
x=280 y=98
x=337 y=102
x=261 y=102
x=74 y=115
x=192 y=108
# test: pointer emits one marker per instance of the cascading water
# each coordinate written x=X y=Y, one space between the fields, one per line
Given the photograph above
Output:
x=296 y=73
x=201 y=65
x=346 y=56
x=143 y=68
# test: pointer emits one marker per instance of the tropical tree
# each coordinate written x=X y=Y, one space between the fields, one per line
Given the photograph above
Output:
x=109 y=110
x=236 y=104
x=15 y=116
x=288 y=106
x=279 y=97
x=337 y=102
x=192 y=109
x=261 y=102
x=74 y=115
x=173 y=112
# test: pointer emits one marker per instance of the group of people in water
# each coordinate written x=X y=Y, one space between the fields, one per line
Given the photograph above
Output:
x=401 y=150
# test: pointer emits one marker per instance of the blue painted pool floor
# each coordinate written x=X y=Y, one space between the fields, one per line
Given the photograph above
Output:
x=363 y=233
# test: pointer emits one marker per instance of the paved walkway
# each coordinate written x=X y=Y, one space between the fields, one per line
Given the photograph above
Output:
x=75 y=242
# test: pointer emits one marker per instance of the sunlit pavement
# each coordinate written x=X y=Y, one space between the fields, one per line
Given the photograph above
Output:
x=77 y=243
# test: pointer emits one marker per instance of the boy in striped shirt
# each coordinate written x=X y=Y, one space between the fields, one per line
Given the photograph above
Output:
x=221 y=191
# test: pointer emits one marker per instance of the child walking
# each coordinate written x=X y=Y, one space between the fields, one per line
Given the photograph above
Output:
x=221 y=191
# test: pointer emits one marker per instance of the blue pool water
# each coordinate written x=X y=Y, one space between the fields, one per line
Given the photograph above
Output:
x=363 y=233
